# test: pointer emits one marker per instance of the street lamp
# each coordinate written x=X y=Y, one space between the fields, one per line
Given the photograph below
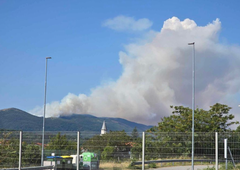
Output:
x=44 y=110
x=193 y=99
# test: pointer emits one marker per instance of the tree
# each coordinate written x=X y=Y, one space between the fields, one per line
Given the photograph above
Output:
x=135 y=134
x=112 y=145
x=60 y=145
x=9 y=147
x=217 y=119
x=31 y=155
x=238 y=129
x=107 y=154
x=60 y=142
x=9 y=151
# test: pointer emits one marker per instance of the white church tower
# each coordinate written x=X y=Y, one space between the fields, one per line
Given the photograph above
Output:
x=104 y=129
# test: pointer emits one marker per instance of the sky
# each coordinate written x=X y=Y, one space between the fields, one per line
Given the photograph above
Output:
x=126 y=59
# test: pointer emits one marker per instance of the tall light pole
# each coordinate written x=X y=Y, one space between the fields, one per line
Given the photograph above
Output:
x=44 y=110
x=193 y=99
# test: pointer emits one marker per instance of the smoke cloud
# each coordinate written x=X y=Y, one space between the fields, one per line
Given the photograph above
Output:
x=158 y=73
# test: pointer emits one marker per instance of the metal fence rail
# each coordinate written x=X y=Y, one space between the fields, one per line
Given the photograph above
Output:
x=176 y=160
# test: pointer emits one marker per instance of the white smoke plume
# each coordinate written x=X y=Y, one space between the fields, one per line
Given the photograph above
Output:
x=158 y=73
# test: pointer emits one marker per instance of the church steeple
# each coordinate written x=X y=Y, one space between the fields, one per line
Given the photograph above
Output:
x=104 y=129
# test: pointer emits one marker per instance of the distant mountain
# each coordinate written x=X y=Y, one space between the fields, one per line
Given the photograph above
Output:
x=16 y=119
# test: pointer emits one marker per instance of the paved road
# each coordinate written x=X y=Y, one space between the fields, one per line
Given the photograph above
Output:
x=196 y=167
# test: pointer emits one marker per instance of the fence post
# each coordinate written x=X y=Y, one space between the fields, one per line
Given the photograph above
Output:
x=231 y=156
x=143 y=151
x=225 y=151
x=216 y=150
x=78 y=144
x=20 y=151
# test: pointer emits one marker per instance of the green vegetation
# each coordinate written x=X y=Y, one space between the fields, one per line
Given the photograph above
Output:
x=60 y=142
x=131 y=166
x=61 y=145
x=171 y=136
x=31 y=153
x=112 y=146
x=8 y=150
x=172 y=133
x=135 y=134
x=19 y=120
x=152 y=165
x=217 y=119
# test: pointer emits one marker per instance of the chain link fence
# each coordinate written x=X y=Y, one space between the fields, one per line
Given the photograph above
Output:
x=179 y=145
x=9 y=149
x=114 y=149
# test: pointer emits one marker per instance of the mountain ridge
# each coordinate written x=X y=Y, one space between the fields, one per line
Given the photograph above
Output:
x=16 y=119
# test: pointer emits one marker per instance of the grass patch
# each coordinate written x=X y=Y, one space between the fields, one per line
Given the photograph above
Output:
x=124 y=165
x=114 y=165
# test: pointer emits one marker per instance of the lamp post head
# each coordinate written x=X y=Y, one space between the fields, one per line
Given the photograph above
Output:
x=48 y=57
x=191 y=43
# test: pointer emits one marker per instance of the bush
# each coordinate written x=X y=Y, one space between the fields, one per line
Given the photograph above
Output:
x=107 y=153
x=131 y=166
x=152 y=165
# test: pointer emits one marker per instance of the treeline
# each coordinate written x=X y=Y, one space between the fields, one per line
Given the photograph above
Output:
x=9 y=151
x=170 y=139
x=113 y=145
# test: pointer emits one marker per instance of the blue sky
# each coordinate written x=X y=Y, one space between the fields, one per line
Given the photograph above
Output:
x=84 y=51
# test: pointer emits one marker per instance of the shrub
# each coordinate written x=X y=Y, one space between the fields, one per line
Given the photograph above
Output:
x=152 y=165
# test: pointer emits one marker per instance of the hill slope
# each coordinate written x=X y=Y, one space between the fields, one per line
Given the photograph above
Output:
x=16 y=119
